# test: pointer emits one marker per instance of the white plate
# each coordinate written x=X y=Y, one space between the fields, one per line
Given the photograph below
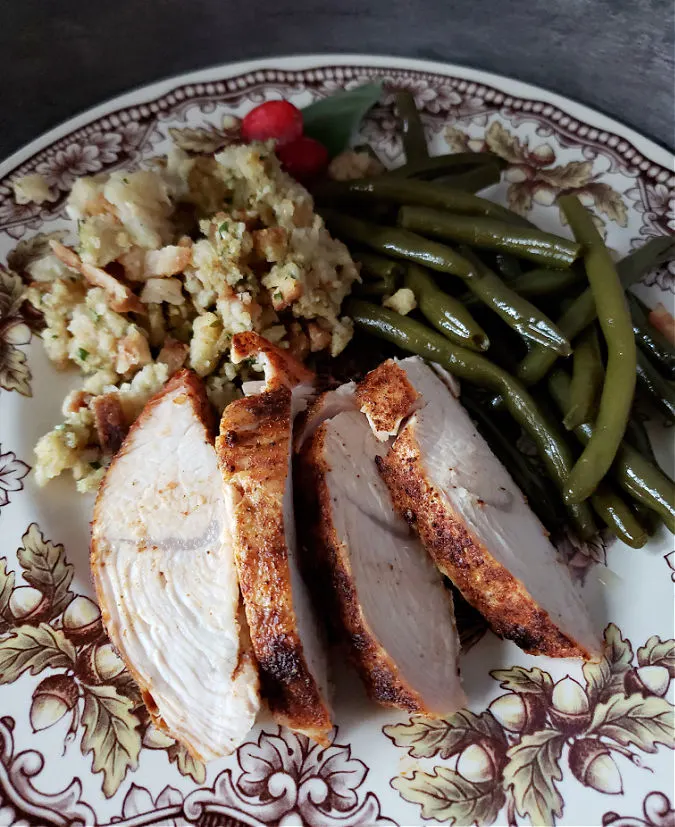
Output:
x=94 y=765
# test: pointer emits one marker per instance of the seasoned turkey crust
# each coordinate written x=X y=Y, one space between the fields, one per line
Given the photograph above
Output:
x=253 y=454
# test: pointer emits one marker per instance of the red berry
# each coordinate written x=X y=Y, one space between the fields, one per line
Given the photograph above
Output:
x=279 y=120
x=304 y=159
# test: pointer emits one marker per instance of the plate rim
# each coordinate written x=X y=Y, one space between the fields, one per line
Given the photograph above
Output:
x=317 y=60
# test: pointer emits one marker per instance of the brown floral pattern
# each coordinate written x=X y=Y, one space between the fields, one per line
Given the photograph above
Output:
x=511 y=755
x=14 y=332
x=656 y=811
x=12 y=472
x=46 y=628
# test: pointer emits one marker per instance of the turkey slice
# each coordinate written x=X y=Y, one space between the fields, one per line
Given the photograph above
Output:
x=254 y=452
x=474 y=520
x=163 y=566
x=381 y=589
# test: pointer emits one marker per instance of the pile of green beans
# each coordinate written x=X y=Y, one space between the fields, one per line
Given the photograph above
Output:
x=482 y=278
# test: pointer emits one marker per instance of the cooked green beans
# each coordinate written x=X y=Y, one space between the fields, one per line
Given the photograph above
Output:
x=410 y=191
x=635 y=474
x=542 y=282
x=474 y=180
x=582 y=311
x=414 y=337
x=386 y=286
x=414 y=142
x=445 y=313
x=446 y=164
x=658 y=390
x=659 y=350
x=617 y=329
x=398 y=243
x=637 y=436
x=491 y=234
x=617 y=516
x=508 y=266
x=377 y=266
x=517 y=312
x=587 y=375
x=534 y=487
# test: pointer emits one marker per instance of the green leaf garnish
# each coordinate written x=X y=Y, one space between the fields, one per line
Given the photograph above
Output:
x=332 y=121
x=82 y=354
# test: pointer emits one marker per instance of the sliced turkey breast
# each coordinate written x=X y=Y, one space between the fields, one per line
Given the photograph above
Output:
x=254 y=453
x=474 y=520
x=165 y=576
x=380 y=588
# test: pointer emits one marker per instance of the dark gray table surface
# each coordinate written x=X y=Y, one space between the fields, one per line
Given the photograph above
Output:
x=58 y=57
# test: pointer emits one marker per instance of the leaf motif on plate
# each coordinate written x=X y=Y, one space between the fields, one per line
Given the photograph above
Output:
x=570 y=176
x=606 y=677
x=15 y=374
x=30 y=249
x=34 y=648
x=607 y=201
x=524 y=681
x=643 y=722
x=533 y=769
x=209 y=139
x=45 y=567
x=448 y=797
x=500 y=141
x=110 y=734
x=186 y=763
x=7 y=579
x=426 y=737
x=456 y=139
x=11 y=293
x=657 y=652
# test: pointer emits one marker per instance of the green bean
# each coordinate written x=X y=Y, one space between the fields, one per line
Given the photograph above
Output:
x=414 y=337
x=533 y=486
x=414 y=142
x=650 y=339
x=582 y=312
x=618 y=389
x=617 y=516
x=537 y=282
x=517 y=312
x=491 y=234
x=637 y=436
x=647 y=518
x=634 y=473
x=386 y=286
x=656 y=388
x=473 y=180
x=445 y=164
x=401 y=244
x=542 y=282
x=508 y=266
x=587 y=375
x=444 y=312
x=377 y=266
x=410 y=191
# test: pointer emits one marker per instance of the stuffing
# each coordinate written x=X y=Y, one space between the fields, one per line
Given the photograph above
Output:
x=170 y=263
x=350 y=165
x=402 y=301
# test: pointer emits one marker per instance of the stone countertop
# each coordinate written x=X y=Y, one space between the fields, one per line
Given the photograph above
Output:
x=57 y=59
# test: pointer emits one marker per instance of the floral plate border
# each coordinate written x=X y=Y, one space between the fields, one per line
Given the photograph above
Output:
x=549 y=749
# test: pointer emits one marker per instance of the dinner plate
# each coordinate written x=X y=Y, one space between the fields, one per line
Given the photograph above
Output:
x=542 y=741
